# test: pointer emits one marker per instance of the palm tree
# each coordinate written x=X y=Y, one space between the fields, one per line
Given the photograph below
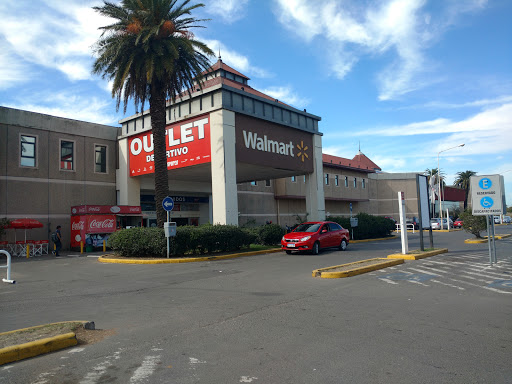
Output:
x=433 y=172
x=463 y=181
x=150 y=55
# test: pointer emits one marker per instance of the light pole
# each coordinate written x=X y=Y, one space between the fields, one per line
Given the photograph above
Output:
x=439 y=179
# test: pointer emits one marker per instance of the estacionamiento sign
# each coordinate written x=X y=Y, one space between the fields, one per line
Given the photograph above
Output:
x=487 y=195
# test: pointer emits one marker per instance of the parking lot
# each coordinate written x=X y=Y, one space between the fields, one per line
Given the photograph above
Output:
x=264 y=319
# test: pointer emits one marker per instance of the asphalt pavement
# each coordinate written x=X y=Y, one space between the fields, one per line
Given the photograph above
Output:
x=265 y=319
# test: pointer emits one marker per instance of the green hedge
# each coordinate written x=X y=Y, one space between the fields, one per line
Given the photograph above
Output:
x=151 y=242
x=369 y=226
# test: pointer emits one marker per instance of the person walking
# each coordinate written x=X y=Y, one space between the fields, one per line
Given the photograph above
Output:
x=57 y=240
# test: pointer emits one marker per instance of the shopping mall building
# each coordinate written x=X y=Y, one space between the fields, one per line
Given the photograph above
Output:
x=234 y=155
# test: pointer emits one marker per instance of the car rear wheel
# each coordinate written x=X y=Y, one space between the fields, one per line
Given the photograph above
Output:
x=316 y=248
x=343 y=245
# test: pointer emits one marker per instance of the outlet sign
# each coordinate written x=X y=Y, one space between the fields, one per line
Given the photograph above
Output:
x=487 y=195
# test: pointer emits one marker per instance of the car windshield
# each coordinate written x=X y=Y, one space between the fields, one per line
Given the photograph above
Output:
x=307 y=227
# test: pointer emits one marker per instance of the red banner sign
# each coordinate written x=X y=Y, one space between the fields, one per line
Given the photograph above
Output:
x=106 y=209
x=187 y=143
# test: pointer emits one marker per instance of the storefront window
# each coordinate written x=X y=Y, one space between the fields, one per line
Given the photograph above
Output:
x=28 y=151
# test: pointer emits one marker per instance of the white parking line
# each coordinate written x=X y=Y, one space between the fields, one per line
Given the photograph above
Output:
x=145 y=370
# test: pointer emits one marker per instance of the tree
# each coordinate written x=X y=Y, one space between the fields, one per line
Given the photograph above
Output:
x=463 y=181
x=150 y=55
x=433 y=172
x=473 y=224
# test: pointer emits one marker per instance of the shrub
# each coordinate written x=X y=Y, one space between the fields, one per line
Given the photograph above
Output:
x=270 y=234
x=141 y=242
x=151 y=242
x=369 y=226
x=473 y=224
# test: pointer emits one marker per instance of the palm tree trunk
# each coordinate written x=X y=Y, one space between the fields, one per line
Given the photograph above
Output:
x=157 y=111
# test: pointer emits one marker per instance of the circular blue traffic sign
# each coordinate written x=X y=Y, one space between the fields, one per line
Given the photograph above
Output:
x=168 y=203
x=486 y=202
x=485 y=183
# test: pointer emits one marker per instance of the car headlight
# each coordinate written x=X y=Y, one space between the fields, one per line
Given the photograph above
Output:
x=305 y=238
x=283 y=239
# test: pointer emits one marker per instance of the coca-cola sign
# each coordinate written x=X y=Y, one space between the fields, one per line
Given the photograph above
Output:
x=101 y=224
x=78 y=226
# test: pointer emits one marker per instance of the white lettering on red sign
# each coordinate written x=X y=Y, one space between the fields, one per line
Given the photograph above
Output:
x=77 y=226
x=105 y=224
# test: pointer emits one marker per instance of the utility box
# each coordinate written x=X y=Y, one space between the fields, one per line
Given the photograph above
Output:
x=170 y=229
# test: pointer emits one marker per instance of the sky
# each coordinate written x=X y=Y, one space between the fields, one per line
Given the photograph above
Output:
x=404 y=81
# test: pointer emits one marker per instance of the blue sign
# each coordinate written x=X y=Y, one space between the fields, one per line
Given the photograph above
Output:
x=501 y=284
x=350 y=205
x=486 y=202
x=485 y=183
x=168 y=203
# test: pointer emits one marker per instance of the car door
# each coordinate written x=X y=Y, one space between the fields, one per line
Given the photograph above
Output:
x=336 y=234
x=324 y=236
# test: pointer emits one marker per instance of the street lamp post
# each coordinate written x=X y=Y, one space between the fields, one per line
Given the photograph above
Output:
x=439 y=180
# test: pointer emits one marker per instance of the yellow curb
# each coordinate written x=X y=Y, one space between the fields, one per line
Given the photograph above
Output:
x=36 y=348
x=368 y=240
x=102 y=259
x=411 y=256
x=484 y=240
x=322 y=272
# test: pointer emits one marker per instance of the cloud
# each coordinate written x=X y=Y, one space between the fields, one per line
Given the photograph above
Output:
x=286 y=95
x=229 y=10
x=70 y=105
x=351 y=31
x=62 y=43
x=236 y=60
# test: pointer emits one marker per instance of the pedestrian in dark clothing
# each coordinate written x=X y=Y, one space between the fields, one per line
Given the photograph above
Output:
x=57 y=240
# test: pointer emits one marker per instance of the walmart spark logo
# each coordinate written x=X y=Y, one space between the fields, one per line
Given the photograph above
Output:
x=302 y=151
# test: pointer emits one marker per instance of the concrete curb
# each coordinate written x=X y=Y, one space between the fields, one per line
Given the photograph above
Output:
x=484 y=240
x=418 y=256
x=102 y=259
x=383 y=263
x=41 y=346
x=36 y=348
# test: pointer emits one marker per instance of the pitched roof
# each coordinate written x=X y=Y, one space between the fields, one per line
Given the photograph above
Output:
x=360 y=161
x=221 y=65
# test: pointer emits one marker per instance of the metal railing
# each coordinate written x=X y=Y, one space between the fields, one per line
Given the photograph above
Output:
x=407 y=226
x=8 y=266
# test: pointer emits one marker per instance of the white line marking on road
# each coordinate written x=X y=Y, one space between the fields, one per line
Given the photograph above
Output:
x=193 y=361
x=423 y=271
x=480 y=286
x=77 y=350
x=434 y=269
x=247 y=379
x=417 y=282
x=448 y=285
x=94 y=256
x=145 y=370
x=100 y=369
x=388 y=281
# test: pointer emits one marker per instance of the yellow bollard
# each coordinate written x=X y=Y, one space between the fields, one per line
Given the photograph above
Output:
x=28 y=251
x=81 y=247
x=104 y=245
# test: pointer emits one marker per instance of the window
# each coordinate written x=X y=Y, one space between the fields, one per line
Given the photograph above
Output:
x=28 y=151
x=294 y=179
x=346 y=181
x=363 y=184
x=304 y=178
x=267 y=183
x=326 y=179
x=100 y=158
x=254 y=183
x=355 y=182
x=336 y=180
x=66 y=155
x=335 y=226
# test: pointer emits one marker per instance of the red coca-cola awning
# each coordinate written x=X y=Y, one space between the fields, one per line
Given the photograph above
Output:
x=106 y=209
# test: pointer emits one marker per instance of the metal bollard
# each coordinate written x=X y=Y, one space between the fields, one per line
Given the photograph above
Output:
x=8 y=266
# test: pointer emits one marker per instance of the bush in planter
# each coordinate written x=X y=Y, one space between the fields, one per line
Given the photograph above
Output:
x=473 y=224
x=369 y=226
x=139 y=242
x=270 y=234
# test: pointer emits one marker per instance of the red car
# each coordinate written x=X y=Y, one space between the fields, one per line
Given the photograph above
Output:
x=457 y=223
x=313 y=236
